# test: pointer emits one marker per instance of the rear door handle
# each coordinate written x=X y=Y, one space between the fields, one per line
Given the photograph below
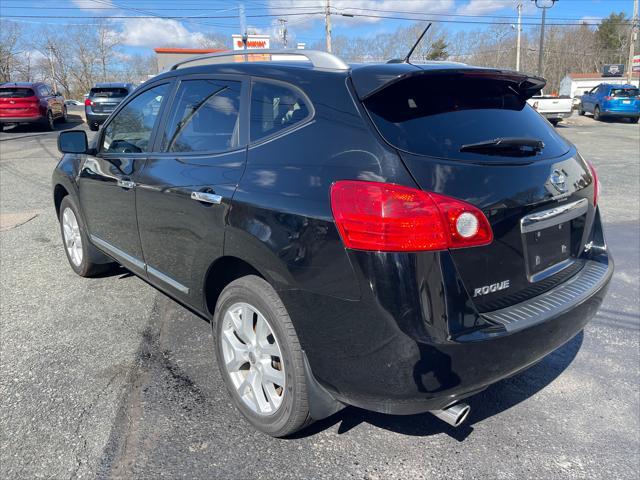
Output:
x=128 y=184
x=206 y=197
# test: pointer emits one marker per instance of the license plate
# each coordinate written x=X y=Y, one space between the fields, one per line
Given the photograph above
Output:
x=627 y=102
x=548 y=247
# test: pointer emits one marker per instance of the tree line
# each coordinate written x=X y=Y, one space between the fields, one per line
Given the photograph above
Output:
x=74 y=58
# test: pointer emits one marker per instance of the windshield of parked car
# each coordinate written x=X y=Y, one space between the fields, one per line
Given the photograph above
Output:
x=624 y=92
x=16 y=92
x=438 y=114
x=108 y=92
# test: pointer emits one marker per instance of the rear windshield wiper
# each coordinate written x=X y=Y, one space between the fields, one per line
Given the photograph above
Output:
x=506 y=146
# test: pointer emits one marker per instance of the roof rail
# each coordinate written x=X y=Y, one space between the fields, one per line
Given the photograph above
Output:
x=318 y=59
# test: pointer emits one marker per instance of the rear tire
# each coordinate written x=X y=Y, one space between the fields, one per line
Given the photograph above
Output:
x=79 y=250
x=65 y=115
x=581 y=112
x=596 y=114
x=634 y=119
x=49 y=124
x=261 y=352
x=554 y=122
x=94 y=127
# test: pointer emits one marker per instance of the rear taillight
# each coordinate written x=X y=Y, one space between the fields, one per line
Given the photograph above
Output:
x=607 y=97
x=596 y=182
x=388 y=217
x=88 y=102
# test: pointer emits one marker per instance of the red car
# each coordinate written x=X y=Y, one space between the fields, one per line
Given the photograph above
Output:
x=27 y=102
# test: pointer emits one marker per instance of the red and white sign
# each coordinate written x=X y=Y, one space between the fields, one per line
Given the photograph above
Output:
x=635 y=67
x=254 y=42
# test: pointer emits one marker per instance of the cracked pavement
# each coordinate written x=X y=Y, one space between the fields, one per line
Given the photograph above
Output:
x=107 y=378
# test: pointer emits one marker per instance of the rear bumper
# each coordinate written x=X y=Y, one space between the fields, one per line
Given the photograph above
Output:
x=556 y=115
x=97 y=118
x=620 y=113
x=414 y=341
x=34 y=119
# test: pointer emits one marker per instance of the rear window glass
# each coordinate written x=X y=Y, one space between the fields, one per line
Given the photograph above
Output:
x=109 y=92
x=624 y=92
x=436 y=115
x=16 y=92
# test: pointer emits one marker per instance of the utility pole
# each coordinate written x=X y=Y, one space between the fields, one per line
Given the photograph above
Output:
x=53 y=71
x=283 y=31
x=327 y=25
x=518 y=37
x=632 y=41
x=543 y=4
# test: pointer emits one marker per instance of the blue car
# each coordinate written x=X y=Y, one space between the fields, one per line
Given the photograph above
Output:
x=609 y=100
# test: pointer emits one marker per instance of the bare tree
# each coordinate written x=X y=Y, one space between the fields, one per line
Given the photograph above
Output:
x=107 y=42
x=10 y=35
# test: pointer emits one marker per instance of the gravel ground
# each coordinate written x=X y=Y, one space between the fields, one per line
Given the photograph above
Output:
x=107 y=378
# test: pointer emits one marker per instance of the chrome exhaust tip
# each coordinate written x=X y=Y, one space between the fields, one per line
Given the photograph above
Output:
x=454 y=415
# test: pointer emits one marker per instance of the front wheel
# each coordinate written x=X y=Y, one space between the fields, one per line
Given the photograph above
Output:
x=260 y=357
x=94 y=127
x=79 y=250
x=634 y=119
x=581 y=112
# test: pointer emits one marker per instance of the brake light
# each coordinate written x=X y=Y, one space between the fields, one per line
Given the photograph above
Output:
x=608 y=97
x=387 y=217
x=596 y=182
x=88 y=102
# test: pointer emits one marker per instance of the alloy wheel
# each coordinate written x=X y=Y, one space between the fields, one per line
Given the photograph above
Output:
x=253 y=358
x=72 y=237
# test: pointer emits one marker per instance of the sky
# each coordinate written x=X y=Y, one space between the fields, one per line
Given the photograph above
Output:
x=146 y=24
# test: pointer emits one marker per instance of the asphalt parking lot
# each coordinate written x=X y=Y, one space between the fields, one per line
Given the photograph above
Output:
x=107 y=378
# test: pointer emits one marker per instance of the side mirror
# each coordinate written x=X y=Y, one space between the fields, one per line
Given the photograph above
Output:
x=73 y=141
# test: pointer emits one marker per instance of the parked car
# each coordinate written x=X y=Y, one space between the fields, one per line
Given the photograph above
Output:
x=552 y=107
x=392 y=236
x=611 y=100
x=103 y=98
x=35 y=103
x=73 y=102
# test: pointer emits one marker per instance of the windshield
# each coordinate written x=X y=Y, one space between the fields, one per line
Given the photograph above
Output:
x=437 y=115
x=624 y=92
x=15 y=92
x=108 y=92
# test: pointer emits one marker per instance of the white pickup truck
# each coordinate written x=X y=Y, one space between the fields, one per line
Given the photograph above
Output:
x=551 y=107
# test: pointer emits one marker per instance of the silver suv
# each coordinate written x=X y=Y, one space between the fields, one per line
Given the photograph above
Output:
x=103 y=99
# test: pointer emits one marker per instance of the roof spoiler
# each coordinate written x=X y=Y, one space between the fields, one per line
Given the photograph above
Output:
x=366 y=85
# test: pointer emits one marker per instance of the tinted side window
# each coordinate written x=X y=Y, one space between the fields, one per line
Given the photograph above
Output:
x=130 y=130
x=204 y=117
x=43 y=90
x=275 y=107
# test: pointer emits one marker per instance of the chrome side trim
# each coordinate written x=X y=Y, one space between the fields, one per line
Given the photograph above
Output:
x=553 y=216
x=168 y=280
x=117 y=253
x=128 y=184
x=206 y=197
x=554 y=302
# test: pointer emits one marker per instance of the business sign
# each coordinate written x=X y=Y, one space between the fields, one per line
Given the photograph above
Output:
x=254 y=42
x=635 y=67
x=613 y=70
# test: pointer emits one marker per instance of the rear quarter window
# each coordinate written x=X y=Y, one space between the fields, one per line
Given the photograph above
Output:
x=435 y=115
x=16 y=92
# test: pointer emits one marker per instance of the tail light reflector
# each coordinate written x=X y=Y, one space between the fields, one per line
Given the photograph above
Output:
x=596 y=182
x=387 y=217
x=88 y=102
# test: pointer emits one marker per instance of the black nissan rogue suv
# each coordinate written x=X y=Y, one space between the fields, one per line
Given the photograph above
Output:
x=391 y=236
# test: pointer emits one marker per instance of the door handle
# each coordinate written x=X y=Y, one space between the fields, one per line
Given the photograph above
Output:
x=128 y=184
x=206 y=197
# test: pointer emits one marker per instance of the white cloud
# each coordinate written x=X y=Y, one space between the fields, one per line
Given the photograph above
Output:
x=375 y=8
x=158 y=32
x=479 y=7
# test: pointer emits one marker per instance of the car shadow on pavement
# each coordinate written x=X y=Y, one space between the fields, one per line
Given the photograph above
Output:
x=495 y=399
x=72 y=122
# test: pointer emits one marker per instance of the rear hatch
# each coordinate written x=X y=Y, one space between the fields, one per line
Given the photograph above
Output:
x=106 y=99
x=470 y=134
x=18 y=102
x=623 y=99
